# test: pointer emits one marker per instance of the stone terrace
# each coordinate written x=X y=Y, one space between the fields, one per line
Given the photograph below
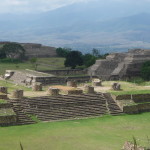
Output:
x=62 y=107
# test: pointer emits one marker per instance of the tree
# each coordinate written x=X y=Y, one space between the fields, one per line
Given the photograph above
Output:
x=73 y=59
x=2 y=54
x=145 y=71
x=13 y=50
x=95 y=52
x=89 y=60
x=34 y=63
x=62 y=52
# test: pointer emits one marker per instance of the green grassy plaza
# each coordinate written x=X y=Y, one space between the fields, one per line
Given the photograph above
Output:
x=102 y=133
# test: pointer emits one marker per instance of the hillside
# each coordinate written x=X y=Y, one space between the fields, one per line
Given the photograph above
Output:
x=36 y=50
x=83 y=26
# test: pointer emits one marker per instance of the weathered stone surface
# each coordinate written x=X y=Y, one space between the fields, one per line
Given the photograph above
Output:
x=37 y=87
x=53 y=91
x=131 y=109
x=72 y=83
x=120 y=65
x=116 y=86
x=97 y=82
x=3 y=89
x=90 y=90
x=3 y=96
x=75 y=92
x=17 y=94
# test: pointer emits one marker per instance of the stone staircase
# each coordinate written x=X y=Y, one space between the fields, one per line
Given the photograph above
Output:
x=22 y=117
x=64 y=107
x=113 y=108
x=18 y=77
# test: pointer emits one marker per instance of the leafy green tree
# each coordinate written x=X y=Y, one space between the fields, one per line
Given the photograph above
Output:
x=89 y=60
x=34 y=63
x=73 y=59
x=2 y=54
x=145 y=71
x=62 y=52
x=13 y=50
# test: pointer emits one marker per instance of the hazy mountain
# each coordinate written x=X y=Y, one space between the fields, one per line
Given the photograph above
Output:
x=99 y=25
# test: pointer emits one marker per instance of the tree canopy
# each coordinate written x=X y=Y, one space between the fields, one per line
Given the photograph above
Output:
x=62 y=52
x=73 y=59
x=145 y=71
x=12 y=50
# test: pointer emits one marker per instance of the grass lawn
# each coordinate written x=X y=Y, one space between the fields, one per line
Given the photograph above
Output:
x=44 y=64
x=12 y=87
x=129 y=88
x=104 y=133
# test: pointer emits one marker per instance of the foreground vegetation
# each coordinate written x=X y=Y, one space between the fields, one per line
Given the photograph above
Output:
x=103 y=133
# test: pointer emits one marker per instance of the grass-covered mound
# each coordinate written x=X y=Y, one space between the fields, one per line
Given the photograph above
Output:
x=105 y=133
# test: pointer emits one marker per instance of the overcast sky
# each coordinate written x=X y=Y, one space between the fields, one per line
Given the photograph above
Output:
x=10 y=6
x=33 y=6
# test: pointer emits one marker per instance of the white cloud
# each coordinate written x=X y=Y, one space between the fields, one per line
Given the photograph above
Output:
x=21 y=6
x=10 y=6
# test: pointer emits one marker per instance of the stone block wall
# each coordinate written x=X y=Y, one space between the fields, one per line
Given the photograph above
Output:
x=137 y=98
x=66 y=72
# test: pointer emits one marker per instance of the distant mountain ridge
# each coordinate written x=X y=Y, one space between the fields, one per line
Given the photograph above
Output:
x=80 y=27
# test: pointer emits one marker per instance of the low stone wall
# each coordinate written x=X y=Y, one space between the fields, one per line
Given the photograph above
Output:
x=4 y=120
x=137 y=108
x=7 y=105
x=61 y=80
x=3 y=96
x=137 y=98
x=130 y=109
x=65 y=72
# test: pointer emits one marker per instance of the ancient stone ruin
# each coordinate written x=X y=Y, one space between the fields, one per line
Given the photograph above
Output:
x=116 y=86
x=120 y=65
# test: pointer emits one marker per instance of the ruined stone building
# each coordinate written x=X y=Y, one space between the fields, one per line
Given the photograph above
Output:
x=35 y=49
x=120 y=65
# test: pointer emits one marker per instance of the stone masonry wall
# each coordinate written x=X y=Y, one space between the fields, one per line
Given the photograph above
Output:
x=66 y=72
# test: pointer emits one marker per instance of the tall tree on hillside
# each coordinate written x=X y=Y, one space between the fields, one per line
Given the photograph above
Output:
x=13 y=50
x=73 y=59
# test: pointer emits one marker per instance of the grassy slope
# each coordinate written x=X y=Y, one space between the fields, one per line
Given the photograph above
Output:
x=50 y=64
x=12 y=87
x=129 y=88
x=106 y=133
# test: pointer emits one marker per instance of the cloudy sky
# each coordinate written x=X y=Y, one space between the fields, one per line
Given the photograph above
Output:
x=9 y=6
x=34 y=6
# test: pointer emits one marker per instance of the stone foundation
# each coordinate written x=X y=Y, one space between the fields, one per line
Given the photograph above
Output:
x=53 y=91
x=17 y=94
x=3 y=96
x=72 y=84
x=75 y=92
x=37 y=87
x=3 y=89
x=116 y=86
x=97 y=82
x=90 y=90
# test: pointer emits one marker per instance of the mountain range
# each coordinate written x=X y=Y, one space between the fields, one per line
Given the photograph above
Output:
x=81 y=27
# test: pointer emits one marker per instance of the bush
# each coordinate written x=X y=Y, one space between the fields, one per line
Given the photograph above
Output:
x=10 y=60
x=145 y=71
x=137 y=80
